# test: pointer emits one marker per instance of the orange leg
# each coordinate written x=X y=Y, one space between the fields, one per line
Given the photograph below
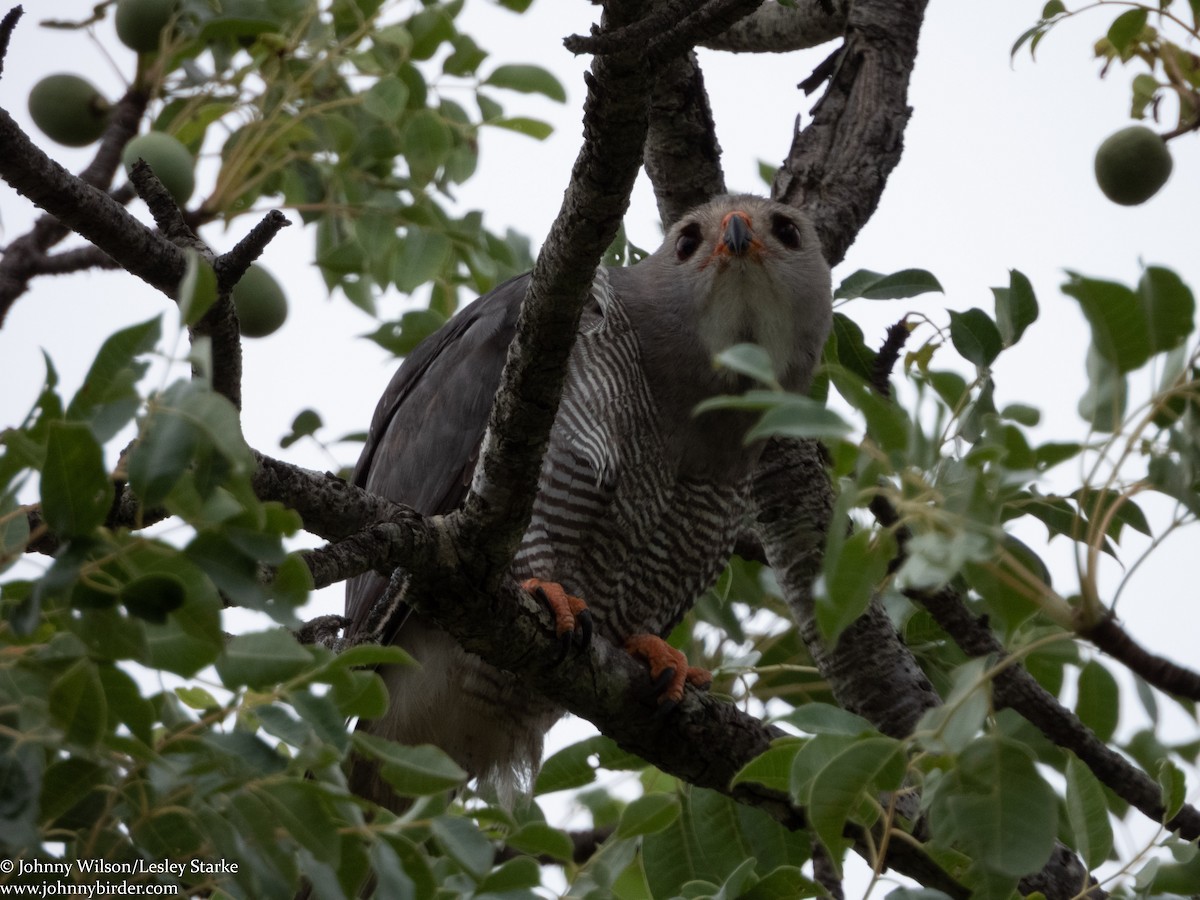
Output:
x=572 y=618
x=668 y=667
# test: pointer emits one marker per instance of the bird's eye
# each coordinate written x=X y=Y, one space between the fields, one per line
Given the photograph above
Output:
x=786 y=232
x=688 y=241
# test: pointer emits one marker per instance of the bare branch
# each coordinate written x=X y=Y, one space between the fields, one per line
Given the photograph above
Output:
x=837 y=167
x=1156 y=670
x=7 y=25
x=666 y=30
x=682 y=157
x=86 y=210
x=773 y=28
x=24 y=257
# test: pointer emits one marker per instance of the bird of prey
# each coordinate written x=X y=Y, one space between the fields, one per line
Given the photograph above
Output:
x=639 y=502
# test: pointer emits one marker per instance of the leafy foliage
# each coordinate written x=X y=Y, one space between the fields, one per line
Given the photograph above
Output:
x=137 y=731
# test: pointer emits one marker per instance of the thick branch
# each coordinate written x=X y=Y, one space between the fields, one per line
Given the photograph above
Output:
x=500 y=502
x=682 y=157
x=870 y=670
x=330 y=507
x=773 y=28
x=837 y=167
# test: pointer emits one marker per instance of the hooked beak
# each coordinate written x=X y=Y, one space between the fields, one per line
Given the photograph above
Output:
x=737 y=237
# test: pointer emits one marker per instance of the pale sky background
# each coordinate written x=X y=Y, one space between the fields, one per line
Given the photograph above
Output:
x=997 y=174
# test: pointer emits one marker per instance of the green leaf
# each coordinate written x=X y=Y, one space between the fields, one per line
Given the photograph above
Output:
x=863 y=769
x=1016 y=307
x=262 y=659
x=568 y=768
x=423 y=255
x=772 y=767
x=951 y=727
x=1173 y=784
x=648 y=814
x=517 y=875
x=77 y=703
x=1117 y=317
x=897 y=286
x=852 y=351
x=372 y=655
x=540 y=839
x=783 y=883
x=1087 y=814
x=152 y=596
x=712 y=839
x=108 y=399
x=887 y=422
x=464 y=843
x=1169 y=306
x=387 y=99
x=427 y=142
x=197 y=289
x=1103 y=406
x=76 y=489
x=413 y=771
x=750 y=360
x=823 y=718
x=528 y=79
x=1126 y=28
x=850 y=576
x=975 y=336
x=995 y=807
x=534 y=128
x=1098 y=705
x=429 y=29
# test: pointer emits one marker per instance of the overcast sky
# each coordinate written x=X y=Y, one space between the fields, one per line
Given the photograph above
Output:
x=996 y=174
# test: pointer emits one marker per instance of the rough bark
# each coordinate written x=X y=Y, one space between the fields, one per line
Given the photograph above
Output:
x=837 y=167
x=774 y=28
x=682 y=156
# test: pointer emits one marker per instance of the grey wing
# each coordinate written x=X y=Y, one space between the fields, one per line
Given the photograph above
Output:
x=425 y=435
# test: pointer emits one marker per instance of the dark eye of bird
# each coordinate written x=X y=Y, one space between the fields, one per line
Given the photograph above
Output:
x=786 y=232
x=688 y=241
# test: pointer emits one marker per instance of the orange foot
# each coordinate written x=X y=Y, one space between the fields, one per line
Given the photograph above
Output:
x=572 y=618
x=668 y=667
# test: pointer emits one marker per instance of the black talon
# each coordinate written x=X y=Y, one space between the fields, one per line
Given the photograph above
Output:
x=663 y=680
x=583 y=629
x=564 y=646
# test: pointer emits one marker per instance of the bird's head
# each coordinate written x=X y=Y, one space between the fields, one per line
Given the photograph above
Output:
x=753 y=272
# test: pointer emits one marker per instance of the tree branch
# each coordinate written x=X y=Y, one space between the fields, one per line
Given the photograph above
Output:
x=84 y=209
x=1157 y=670
x=682 y=155
x=497 y=509
x=23 y=257
x=1014 y=687
x=837 y=167
x=773 y=28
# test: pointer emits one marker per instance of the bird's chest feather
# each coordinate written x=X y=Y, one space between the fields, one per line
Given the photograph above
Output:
x=617 y=520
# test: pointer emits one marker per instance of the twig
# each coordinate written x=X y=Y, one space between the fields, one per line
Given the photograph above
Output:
x=7 y=25
x=1157 y=670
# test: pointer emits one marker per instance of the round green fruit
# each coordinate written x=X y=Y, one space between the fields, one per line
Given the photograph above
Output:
x=140 y=22
x=169 y=159
x=1132 y=164
x=69 y=109
x=260 y=302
